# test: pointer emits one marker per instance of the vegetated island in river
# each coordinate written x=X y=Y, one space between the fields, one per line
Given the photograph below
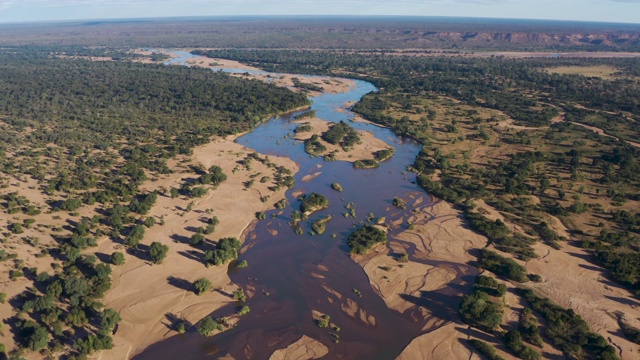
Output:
x=313 y=202
x=339 y=141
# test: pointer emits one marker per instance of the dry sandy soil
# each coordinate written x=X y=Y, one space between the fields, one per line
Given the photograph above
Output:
x=148 y=297
x=28 y=244
x=304 y=349
x=364 y=150
x=202 y=61
x=438 y=247
x=572 y=281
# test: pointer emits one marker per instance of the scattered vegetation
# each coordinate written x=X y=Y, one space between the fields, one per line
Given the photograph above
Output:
x=320 y=226
x=313 y=146
x=479 y=308
x=208 y=326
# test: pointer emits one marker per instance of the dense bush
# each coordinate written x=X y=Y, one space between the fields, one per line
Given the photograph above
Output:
x=226 y=249
x=343 y=134
x=502 y=266
x=320 y=226
x=568 y=331
x=117 y=258
x=513 y=341
x=208 y=326
x=476 y=309
x=365 y=164
x=384 y=154
x=365 y=238
x=313 y=202
x=313 y=146
x=485 y=349
x=157 y=252
x=201 y=286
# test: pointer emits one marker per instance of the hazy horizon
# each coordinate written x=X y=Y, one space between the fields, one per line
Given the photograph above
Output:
x=470 y=19
x=609 y=11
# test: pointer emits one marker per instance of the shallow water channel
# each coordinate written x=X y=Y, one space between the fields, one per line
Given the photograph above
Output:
x=290 y=275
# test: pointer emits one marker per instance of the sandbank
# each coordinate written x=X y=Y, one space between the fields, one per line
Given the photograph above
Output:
x=149 y=296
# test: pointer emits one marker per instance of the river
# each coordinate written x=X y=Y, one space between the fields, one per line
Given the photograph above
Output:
x=290 y=275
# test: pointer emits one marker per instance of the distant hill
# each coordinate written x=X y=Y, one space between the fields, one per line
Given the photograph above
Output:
x=333 y=32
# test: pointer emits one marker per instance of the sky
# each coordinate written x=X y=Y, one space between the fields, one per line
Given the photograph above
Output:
x=626 y=11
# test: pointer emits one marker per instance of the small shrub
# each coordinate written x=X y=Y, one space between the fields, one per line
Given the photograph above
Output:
x=208 y=326
x=243 y=310
x=239 y=295
x=117 y=258
x=15 y=274
x=157 y=252
x=201 y=286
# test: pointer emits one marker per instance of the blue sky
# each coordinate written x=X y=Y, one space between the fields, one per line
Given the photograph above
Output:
x=589 y=10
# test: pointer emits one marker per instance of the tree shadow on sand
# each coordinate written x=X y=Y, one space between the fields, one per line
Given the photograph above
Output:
x=180 y=283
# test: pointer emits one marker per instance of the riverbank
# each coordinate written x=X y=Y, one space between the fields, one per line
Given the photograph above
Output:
x=151 y=298
x=438 y=246
x=311 y=84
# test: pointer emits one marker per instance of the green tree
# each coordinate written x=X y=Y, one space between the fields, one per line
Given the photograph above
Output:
x=201 y=286
x=239 y=295
x=208 y=326
x=117 y=258
x=196 y=239
x=109 y=319
x=35 y=337
x=157 y=252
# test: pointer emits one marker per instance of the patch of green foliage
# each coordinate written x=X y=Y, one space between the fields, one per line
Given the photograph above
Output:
x=201 y=286
x=226 y=249
x=513 y=341
x=568 y=331
x=342 y=134
x=384 y=154
x=313 y=202
x=365 y=164
x=487 y=350
x=320 y=226
x=502 y=266
x=313 y=146
x=478 y=310
x=157 y=252
x=365 y=238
